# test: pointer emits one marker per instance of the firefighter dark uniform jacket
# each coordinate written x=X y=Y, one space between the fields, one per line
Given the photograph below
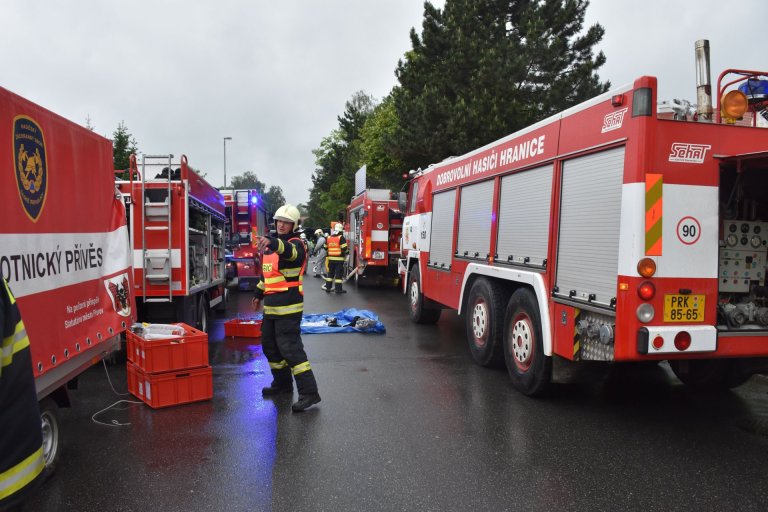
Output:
x=337 y=247
x=21 y=442
x=281 y=284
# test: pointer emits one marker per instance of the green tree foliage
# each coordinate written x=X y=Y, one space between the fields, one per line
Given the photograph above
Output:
x=483 y=69
x=336 y=161
x=123 y=145
x=274 y=199
x=377 y=143
x=248 y=180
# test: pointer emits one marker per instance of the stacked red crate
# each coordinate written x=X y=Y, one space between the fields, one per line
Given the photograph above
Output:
x=168 y=365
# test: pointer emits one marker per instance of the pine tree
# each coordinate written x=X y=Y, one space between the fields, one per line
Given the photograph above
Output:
x=485 y=68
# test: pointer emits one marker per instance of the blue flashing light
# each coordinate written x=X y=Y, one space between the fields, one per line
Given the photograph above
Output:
x=255 y=200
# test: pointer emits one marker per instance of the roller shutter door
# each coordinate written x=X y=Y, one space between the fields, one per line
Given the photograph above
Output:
x=590 y=214
x=475 y=212
x=441 y=238
x=524 y=215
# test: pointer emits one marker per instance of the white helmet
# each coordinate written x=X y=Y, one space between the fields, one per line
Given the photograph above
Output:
x=303 y=236
x=288 y=213
x=318 y=232
x=338 y=228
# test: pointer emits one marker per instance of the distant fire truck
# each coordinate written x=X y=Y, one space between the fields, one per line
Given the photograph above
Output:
x=246 y=217
x=177 y=232
x=374 y=224
x=605 y=233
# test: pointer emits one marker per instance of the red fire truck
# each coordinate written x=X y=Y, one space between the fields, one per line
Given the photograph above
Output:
x=374 y=224
x=64 y=248
x=604 y=233
x=246 y=215
x=177 y=232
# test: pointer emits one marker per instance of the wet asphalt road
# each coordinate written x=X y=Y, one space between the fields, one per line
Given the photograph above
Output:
x=409 y=422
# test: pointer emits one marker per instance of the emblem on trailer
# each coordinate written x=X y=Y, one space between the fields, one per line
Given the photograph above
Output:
x=613 y=120
x=118 y=292
x=30 y=164
x=688 y=153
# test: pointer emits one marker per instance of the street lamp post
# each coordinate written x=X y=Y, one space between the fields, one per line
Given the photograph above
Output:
x=225 y=160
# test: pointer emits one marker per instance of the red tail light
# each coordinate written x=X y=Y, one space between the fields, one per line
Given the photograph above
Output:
x=682 y=340
x=658 y=342
x=646 y=290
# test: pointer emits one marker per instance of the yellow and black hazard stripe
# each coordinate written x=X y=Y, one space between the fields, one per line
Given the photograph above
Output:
x=576 y=336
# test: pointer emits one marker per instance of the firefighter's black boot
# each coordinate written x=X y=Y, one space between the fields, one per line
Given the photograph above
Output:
x=282 y=382
x=273 y=390
x=305 y=402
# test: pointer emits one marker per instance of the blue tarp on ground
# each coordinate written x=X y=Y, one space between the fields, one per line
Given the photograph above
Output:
x=346 y=320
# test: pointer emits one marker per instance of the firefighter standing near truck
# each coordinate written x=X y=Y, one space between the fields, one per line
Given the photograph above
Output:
x=281 y=295
x=21 y=440
x=319 y=252
x=337 y=253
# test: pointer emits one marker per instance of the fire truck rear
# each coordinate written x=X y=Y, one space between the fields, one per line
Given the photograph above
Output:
x=375 y=226
x=246 y=218
x=606 y=233
x=177 y=233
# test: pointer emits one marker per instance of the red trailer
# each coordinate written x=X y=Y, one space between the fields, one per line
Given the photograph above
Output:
x=374 y=227
x=177 y=231
x=604 y=233
x=64 y=248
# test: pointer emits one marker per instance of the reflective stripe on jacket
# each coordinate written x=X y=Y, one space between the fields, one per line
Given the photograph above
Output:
x=21 y=452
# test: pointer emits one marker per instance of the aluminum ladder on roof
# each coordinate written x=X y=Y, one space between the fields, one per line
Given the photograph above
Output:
x=158 y=263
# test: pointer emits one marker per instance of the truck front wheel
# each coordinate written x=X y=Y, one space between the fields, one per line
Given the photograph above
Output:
x=529 y=369
x=418 y=312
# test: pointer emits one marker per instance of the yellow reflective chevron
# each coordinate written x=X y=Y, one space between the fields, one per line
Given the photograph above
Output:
x=301 y=368
x=21 y=474
x=279 y=366
x=284 y=310
x=14 y=343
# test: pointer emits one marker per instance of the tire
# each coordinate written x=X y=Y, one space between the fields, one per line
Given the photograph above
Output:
x=529 y=369
x=202 y=321
x=485 y=322
x=709 y=374
x=49 y=417
x=418 y=312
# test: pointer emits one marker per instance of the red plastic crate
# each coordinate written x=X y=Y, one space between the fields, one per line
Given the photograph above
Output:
x=170 y=388
x=243 y=327
x=167 y=354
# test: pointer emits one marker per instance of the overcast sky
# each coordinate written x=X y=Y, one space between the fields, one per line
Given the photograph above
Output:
x=274 y=75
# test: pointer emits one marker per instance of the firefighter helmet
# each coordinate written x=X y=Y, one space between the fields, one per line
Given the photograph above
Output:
x=318 y=232
x=303 y=236
x=338 y=228
x=288 y=213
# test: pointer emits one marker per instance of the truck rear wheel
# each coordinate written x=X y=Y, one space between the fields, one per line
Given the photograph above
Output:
x=709 y=374
x=49 y=417
x=485 y=322
x=529 y=369
x=418 y=312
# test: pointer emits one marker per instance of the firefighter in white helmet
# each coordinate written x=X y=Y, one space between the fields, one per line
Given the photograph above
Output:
x=281 y=295
x=337 y=253
x=319 y=252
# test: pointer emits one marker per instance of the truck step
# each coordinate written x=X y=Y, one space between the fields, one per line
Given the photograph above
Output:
x=158 y=277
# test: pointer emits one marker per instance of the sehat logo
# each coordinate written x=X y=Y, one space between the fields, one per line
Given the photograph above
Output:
x=30 y=164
